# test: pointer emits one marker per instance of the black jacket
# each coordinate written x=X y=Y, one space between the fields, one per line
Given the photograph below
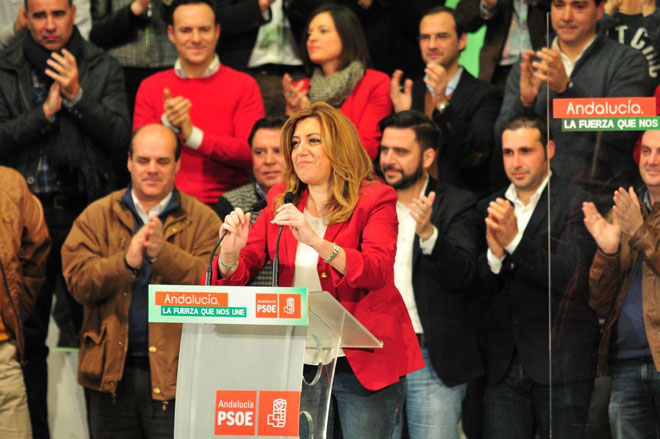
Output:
x=466 y=125
x=441 y=281
x=96 y=130
x=240 y=21
x=517 y=310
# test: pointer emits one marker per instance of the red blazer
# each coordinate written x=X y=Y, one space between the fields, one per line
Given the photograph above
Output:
x=367 y=105
x=366 y=290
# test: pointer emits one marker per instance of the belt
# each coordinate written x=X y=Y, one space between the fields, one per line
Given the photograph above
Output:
x=275 y=69
x=58 y=201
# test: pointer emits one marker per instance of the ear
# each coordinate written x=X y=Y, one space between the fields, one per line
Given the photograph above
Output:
x=177 y=166
x=551 y=149
x=170 y=33
x=599 y=10
x=462 y=41
x=129 y=163
x=428 y=158
x=217 y=31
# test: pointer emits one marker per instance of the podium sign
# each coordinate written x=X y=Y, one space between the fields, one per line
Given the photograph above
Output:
x=241 y=358
x=228 y=305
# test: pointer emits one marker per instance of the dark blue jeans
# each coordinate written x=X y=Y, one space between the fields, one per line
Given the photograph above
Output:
x=364 y=414
x=517 y=407
x=635 y=400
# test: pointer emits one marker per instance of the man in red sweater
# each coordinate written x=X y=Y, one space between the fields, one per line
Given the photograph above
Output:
x=211 y=106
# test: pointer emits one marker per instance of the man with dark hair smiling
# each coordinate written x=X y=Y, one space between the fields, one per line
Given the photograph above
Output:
x=211 y=106
x=147 y=234
x=435 y=264
x=524 y=382
x=463 y=107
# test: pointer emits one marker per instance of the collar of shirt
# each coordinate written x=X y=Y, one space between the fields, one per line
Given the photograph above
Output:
x=260 y=191
x=451 y=85
x=647 y=200
x=210 y=70
x=512 y=195
x=565 y=60
x=156 y=210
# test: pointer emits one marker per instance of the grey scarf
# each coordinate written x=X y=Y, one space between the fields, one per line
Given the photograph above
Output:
x=336 y=88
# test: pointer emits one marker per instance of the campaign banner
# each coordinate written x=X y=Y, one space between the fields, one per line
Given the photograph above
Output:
x=228 y=305
x=256 y=413
x=606 y=114
x=612 y=124
x=585 y=108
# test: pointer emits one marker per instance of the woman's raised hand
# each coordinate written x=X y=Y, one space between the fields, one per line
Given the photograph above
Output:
x=289 y=215
x=236 y=225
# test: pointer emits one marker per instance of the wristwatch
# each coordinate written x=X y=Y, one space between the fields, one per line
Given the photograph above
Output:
x=442 y=106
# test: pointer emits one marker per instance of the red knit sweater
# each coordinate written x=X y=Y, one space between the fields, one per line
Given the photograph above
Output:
x=224 y=106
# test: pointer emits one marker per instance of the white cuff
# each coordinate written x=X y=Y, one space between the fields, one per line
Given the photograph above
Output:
x=167 y=123
x=427 y=245
x=69 y=103
x=513 y=245
x=494 y=262
x=195 y=139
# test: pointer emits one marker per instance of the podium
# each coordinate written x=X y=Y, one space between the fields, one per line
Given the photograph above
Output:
x=241 y=358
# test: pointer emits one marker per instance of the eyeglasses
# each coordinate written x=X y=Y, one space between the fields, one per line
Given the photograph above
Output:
x=439 y=37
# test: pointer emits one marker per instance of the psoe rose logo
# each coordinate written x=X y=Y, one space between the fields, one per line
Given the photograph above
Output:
x=277 y=418
x=278 y=413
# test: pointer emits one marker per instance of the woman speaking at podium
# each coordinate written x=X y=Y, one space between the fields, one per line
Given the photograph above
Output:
x=339 y=235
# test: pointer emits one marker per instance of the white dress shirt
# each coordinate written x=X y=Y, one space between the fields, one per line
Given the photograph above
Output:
x=523 y=215
x=403 y=268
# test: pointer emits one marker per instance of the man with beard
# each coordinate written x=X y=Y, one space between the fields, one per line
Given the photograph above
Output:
x=463 y=107
x=434 y=266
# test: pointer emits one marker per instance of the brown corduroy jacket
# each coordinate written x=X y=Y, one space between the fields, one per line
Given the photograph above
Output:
x=98 y=278
x=609 y=279
x=24 y=246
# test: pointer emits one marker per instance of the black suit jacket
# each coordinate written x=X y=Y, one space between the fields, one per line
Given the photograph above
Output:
x=517 y=311
x=240 y=21
x=440 y=284
x=467 y=128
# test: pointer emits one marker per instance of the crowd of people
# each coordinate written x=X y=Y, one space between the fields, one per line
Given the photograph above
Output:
x=509 y=267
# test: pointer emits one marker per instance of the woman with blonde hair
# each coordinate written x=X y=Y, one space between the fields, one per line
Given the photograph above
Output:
x=339 y=235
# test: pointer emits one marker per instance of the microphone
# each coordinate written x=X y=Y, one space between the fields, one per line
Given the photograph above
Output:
x=255 y=207
x=288 y=198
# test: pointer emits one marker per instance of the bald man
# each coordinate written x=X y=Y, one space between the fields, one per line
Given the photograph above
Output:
x=149 y=233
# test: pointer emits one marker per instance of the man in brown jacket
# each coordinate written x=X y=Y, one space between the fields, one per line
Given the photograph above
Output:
x=625 y=290
x=148 y=233
x=24 y=246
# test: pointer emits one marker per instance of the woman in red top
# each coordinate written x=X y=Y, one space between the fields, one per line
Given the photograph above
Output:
x=336 y=57
x=339 y=235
